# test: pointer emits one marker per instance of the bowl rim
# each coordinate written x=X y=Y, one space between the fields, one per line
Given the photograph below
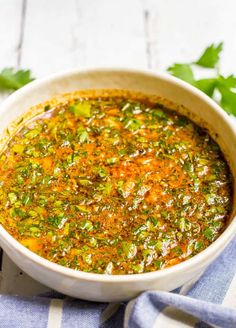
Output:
x=190 y=264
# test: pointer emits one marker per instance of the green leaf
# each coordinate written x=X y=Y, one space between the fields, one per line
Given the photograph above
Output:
x=198 y=245
x=11 y=79
x=138 y=268
x=26 y=199
x=159 y=264
x=210 y=56
x=227 y=82
x=139 y=229
x=18 y=148
x=106 y=188
x=81 y=208
x=84 y=182
x=82 y=135
x=55 y=221
x=129 y=249
x=210 y=198
x=17 y=212
x=228 y=100
x=132 y=124
x=182 y=71
x=31 y=134
x=158 y=113
x=120 y=184
x=226 y=86
x=209 y=234
x=86 y=225
x=12 y=197
x=112 y=160
x=87 y=258
x=207 y=85
x=101 y=172
x=81 y=109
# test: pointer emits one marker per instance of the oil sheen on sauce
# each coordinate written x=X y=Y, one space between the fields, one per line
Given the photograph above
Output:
x=114 y=185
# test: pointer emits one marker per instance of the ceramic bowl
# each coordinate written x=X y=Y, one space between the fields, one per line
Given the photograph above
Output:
x=98 y=287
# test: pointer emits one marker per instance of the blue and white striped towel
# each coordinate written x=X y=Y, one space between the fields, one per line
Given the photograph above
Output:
x=211 y=301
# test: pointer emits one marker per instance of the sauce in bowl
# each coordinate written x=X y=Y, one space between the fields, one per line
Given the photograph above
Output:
x=115 y=184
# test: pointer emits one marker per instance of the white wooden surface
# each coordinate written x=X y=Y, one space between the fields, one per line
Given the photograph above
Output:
x=48 y=36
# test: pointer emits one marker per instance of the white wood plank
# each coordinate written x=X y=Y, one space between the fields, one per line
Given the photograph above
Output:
x=10 y=22
x=179 y=30
x=113 y=32
x=75 y=34
x=10 y=30
x=12 y=280
x=49 y=43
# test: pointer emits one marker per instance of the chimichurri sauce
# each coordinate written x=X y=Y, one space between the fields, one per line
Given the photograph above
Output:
x=114 y=185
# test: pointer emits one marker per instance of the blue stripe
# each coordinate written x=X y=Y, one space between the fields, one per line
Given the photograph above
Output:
x=116 y=321
x=213 y=285
x=22 y=312
x=82 y=314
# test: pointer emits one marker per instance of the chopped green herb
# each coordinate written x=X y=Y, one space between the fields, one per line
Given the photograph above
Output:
x=129 y=249
x=132 y=124
x=12 y=197
x=135 y=188
x=112 y=160
x=81 y=109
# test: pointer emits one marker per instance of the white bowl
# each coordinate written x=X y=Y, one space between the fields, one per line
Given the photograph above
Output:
x=96 y=287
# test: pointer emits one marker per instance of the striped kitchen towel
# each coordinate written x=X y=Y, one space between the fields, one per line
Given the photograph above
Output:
x=210 y=302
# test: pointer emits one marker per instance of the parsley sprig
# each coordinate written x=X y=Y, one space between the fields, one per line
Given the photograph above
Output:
x=11 y=79
x=220 y=88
